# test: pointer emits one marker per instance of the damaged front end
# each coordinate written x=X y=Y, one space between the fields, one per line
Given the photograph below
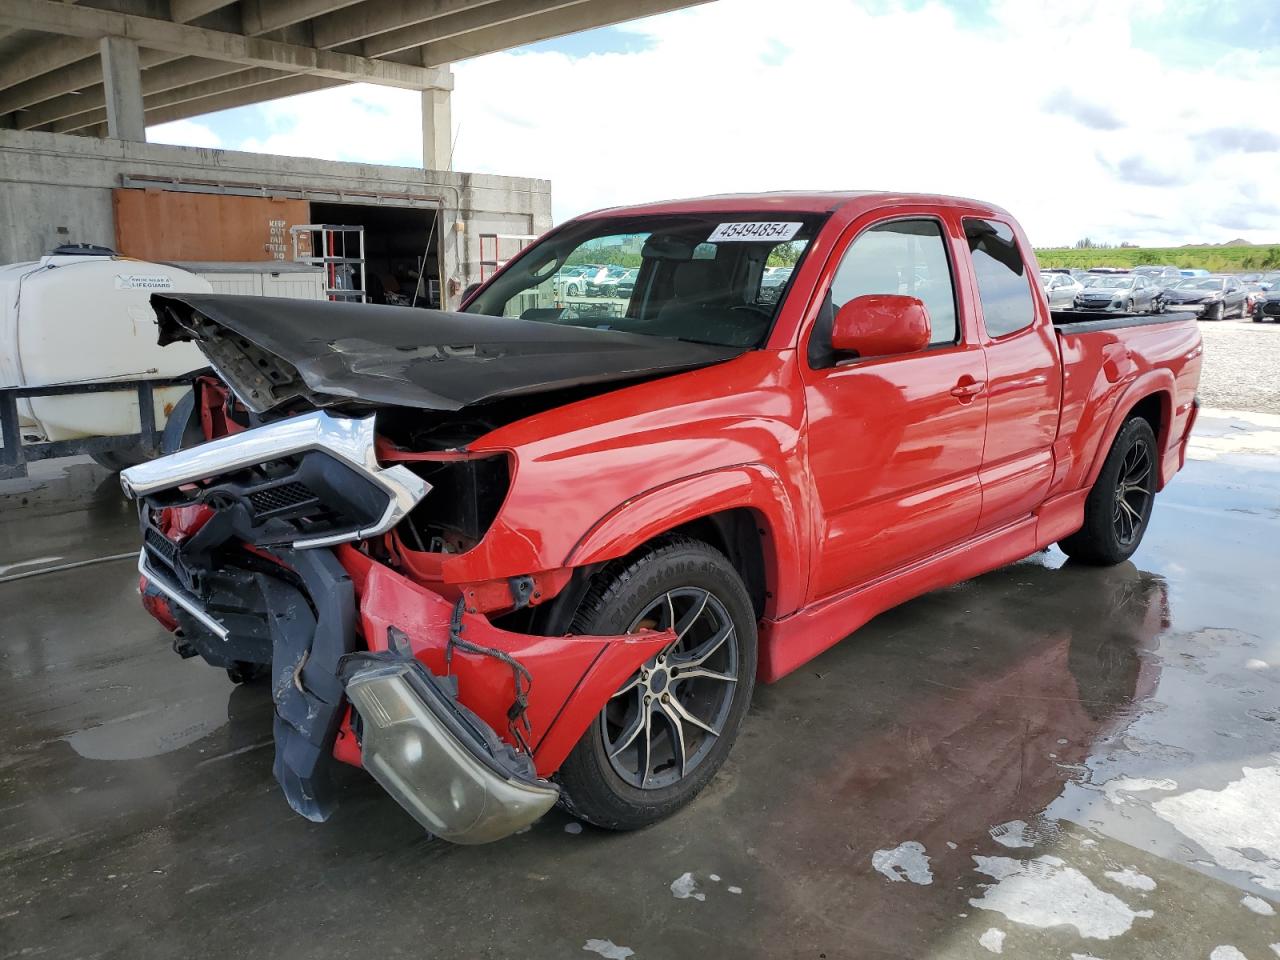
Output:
x=264 y=547
x=440 y=761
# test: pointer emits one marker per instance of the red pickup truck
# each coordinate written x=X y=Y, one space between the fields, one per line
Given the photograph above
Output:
x=541 y=550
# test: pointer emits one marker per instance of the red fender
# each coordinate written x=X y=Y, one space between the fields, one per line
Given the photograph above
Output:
x=1157 y=382
x=572 y=677
x=751 y=486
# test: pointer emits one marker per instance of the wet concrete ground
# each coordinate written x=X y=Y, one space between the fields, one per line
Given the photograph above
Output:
x=1088 y=759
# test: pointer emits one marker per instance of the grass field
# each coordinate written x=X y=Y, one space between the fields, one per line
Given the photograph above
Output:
x=1213 y=259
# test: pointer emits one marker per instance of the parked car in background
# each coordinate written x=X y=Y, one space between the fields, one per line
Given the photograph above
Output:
x=1267 y=306
x=1161 y=275
x=623 y=285
x=1194 y=272
x=604 y=279
x=1061 y=289
x=1270 y=281
x=1118 y=292
x=1253 y=295
x=572 y=281
x=773 y=282
x=1212 y=298
x=1161 y=279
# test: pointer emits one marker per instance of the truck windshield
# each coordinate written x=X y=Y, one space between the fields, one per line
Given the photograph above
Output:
x=714 y=278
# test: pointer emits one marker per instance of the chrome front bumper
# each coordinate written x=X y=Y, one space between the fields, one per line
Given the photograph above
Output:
x=439 y=761
x=176 y=595
x=350 y=441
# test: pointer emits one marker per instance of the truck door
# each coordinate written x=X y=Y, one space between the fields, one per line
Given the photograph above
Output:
x=1024 y=377
x=894 y=442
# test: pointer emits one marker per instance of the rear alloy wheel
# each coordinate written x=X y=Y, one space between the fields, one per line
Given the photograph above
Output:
x=1118 y=508
x=664 y=733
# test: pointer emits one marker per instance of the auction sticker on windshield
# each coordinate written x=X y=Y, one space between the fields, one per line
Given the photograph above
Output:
x=754 y=231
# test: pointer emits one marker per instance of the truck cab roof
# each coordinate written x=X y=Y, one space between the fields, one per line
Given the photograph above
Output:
x=852 y=202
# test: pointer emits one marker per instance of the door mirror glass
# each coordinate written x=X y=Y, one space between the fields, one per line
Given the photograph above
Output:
x=881 y=325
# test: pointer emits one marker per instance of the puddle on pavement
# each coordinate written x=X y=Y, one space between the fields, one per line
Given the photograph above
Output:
x=1166 y=734
x=155 y=731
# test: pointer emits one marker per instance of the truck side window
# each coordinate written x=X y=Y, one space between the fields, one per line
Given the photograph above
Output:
x=905 y=257
x=1003 y=286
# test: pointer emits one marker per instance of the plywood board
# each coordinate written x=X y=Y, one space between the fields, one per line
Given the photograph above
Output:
x=177 y=225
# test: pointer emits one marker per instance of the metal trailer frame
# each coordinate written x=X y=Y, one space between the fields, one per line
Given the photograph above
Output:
x=16 y=454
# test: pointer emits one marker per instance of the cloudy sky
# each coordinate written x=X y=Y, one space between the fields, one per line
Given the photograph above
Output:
x=1147 y=121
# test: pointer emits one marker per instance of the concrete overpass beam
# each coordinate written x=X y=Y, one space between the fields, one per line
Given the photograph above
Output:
x=122 y=77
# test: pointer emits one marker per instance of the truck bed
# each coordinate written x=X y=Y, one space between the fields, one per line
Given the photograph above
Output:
x=1108 y=359
x=1087 y=321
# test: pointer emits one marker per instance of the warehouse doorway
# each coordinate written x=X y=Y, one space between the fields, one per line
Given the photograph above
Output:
x=401 y=250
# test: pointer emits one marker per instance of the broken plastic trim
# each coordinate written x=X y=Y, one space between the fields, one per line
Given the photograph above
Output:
x=176 y=594
x=440 y=761
x=348 y=440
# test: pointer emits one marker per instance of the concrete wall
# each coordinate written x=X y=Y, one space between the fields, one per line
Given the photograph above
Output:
x=56 y=188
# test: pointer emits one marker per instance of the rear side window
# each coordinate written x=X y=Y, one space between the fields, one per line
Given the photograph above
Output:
x=906 y=257
x=1003 y=286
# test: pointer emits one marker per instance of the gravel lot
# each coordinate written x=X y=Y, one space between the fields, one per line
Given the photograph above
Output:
x=1241 y=366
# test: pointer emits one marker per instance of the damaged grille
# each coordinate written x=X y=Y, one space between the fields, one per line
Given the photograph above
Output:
x=160 y=546
x=285 y=500
x=272 y=500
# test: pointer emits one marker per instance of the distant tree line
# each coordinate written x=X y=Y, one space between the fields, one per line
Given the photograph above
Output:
x=1088 y=253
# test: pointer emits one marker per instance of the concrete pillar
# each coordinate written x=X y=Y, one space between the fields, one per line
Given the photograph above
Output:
x=437 y=130
x=122 y=77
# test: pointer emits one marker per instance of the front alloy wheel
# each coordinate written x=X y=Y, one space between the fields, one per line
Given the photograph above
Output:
x=664 y=733
x=664 y=721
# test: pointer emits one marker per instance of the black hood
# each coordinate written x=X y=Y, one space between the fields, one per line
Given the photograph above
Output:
x=272 y=351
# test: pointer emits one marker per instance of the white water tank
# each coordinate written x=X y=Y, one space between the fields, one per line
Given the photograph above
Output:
x=71 y=318
x=269 y=278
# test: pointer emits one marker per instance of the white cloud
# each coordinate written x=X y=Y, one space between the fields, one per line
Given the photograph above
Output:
x=186 y=133
x=736 y=95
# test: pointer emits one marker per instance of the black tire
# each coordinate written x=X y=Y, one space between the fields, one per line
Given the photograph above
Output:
x=1115 y=519
x=244 y=672
x=1219 y=312
x=592 y=782
x=117 y=460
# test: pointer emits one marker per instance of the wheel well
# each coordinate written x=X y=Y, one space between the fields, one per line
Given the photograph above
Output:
x=737 y=534
x=1151 y=409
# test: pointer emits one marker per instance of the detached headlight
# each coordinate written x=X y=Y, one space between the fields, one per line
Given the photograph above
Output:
x=438 y=761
